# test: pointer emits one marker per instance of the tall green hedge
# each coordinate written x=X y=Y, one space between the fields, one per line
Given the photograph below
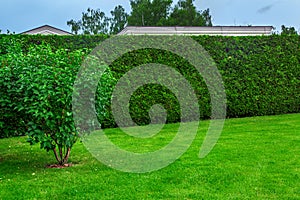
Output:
x=70 y=43
x=261 y=76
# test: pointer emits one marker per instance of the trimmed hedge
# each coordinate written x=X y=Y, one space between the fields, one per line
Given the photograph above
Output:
x=71 y=43
x=261 y=76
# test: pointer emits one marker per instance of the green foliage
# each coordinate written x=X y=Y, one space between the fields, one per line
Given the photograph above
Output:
x=186 y=14
x=149 y=13
x=260 y=74
x=12 y=121
x=37 y=94
x=148 y=95
x=94 y=22
x=143 y=13
x=103 y=100
x=118 y=20
x=288 y=30
x=161 y=13
x=70 y=43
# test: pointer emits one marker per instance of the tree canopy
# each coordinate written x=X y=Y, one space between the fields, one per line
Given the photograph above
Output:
x=288 y=30
x=143 y=13
x=95 y=22
x=118 y=20
x=186 y=14
x=161 y=13
x=149 y=13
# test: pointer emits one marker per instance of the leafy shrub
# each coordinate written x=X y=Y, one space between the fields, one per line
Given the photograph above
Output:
x=37 y=95
x=11 y=120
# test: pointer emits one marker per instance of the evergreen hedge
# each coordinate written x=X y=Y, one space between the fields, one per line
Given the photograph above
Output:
x=261 y=76
x=70 y=43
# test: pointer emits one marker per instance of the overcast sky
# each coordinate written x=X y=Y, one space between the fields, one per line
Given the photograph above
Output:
x=22 y=15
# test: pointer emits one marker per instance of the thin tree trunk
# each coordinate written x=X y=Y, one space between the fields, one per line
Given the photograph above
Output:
x=56 y=155
x=61 y=155
x=66 y=158
x=62 y=160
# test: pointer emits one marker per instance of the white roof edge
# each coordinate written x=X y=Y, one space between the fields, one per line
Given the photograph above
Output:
x=45 y=28
x=44 y=31
x=213 y=30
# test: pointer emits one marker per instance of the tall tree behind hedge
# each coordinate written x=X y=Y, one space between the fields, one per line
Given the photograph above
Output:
x=149 y=13
x=95 y=22
x=92 y=22
x=143 y=13
x=186 y=14
x=161 y=13
x=288 y=30
x=118 y=19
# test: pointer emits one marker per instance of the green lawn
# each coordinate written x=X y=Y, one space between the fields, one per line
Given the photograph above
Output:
x=255 y=158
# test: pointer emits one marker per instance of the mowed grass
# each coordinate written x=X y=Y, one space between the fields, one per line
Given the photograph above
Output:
x=255 y=158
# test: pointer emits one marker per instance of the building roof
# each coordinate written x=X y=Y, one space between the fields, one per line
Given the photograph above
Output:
x=46 y=30
x=213 y=30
